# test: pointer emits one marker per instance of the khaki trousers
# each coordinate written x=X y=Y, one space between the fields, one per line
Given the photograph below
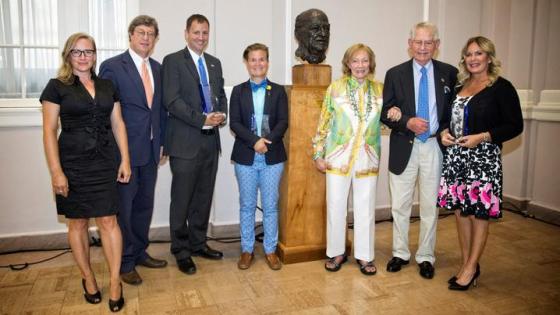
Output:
x=423 y=167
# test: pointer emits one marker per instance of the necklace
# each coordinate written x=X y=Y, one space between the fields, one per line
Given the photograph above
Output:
x=354 y=101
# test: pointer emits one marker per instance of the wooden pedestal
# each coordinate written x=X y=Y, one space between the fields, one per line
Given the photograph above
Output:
x=302 y=193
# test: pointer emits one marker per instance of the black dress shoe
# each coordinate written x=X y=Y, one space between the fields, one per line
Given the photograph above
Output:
x=151 y=262
x=395 y=264
x=208 y=253
x=186 y=265
x=426 y=270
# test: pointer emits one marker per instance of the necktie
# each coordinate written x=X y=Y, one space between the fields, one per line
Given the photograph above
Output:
x=255 y=87
x=206 y=99
x=147 y=84
x=423 y=103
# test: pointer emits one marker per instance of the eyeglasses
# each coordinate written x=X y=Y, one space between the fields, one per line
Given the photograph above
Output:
x=150 y=35
x=78 y=53
x=420 y=43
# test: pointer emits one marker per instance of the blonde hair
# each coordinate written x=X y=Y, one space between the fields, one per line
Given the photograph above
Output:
x=65 y=73
x=494 y=65
x=351 y=51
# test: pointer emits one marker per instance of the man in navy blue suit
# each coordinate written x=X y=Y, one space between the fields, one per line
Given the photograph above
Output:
x=137 y=79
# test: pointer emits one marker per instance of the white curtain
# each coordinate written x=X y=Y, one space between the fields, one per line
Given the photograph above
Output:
x=29 y=40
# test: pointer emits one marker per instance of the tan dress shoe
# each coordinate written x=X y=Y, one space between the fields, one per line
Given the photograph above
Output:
x=245 y=261
x=131 y=277
x=273 y=262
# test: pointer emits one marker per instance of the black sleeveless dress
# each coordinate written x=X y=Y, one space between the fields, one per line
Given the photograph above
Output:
x=87 y=148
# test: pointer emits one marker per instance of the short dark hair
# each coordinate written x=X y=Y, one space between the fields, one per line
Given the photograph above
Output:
x=253 y=47
x=198 y=18
x=142 y=20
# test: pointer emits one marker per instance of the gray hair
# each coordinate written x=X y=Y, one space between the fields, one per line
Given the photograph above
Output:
x=427 y=25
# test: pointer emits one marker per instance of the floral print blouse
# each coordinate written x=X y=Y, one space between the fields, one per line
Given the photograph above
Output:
x=348 y=135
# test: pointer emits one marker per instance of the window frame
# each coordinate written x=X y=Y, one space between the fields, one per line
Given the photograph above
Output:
x=68 y=23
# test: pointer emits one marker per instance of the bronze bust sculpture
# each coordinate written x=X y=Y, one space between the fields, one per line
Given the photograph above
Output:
x=312 y=31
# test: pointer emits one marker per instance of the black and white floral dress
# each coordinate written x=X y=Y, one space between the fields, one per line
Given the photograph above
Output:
x=471 y=179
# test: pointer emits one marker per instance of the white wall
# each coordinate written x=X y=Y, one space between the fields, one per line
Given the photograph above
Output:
x=525 y=33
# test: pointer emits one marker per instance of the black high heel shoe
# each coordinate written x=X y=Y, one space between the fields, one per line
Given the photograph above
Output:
x=454 y=278
x=115 y=306
x=474 y=282
x=91 y=298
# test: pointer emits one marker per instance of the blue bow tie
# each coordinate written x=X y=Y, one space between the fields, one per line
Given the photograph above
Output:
x=255 y=87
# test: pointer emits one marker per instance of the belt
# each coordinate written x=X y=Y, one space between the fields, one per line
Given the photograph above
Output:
x=208 y=132
x=416 y=138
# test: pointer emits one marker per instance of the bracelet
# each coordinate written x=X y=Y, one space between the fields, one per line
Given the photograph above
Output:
x=486 y=137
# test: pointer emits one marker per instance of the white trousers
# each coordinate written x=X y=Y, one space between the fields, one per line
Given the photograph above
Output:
x=363 y=200
x=424 y=166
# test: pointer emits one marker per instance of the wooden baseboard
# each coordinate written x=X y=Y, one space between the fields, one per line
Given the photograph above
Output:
x=161 y=233
x=535 y=210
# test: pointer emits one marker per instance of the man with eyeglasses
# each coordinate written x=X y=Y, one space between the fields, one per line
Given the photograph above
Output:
x=137 y=79
x=414 y=97
x=195 y=98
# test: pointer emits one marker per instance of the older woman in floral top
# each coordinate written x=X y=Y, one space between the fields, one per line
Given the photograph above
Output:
x=347 y=147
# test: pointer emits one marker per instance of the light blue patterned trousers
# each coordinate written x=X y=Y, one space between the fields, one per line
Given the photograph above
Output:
x=251 y=179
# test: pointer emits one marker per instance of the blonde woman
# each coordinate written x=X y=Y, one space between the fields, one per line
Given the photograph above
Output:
x=347 y=148
x=82 y=162
x=485 y=113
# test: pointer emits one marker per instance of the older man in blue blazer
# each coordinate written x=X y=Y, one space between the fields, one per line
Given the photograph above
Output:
x=137 y=79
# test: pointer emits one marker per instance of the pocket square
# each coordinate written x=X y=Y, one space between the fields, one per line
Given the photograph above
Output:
x=446 y=89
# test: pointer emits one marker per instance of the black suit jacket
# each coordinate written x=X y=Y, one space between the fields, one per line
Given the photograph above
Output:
x=181 y=97
x=240 y=114
x=399 y=91
x=139 y=119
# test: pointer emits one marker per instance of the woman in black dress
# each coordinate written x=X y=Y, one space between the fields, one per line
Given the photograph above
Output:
x=84 y=162
x=485 y=113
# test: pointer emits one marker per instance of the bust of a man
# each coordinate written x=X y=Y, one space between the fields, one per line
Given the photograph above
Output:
x=312 y=31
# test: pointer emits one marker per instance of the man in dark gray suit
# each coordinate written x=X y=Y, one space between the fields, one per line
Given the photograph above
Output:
x=193 y=93
x=414 y=97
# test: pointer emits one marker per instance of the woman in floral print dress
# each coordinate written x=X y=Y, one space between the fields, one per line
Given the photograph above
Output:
x=485 y=113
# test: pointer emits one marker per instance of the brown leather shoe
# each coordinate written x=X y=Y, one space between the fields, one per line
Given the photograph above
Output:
x=151 y=262
x=245 y=261
x=131 y=277
x=273 y=262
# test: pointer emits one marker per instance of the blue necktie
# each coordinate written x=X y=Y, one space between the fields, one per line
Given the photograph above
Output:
x=255 y=87
x=423 y=103
x=206 y=99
